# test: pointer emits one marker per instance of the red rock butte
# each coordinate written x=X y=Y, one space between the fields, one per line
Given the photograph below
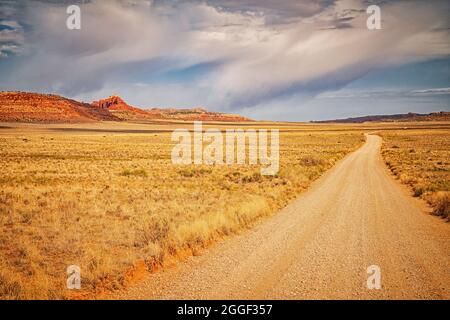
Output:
x=35 y=107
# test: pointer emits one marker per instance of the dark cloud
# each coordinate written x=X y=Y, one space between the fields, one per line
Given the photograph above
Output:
x=274 y=11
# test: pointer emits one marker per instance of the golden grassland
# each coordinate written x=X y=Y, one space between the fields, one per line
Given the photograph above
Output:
x=421 y=160
x=107 y=197
x=106 y=200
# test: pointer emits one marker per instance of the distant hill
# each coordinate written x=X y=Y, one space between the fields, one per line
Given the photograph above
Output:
x=36 y=107
x=121 y=109
x=434 y=116
x=197 y=114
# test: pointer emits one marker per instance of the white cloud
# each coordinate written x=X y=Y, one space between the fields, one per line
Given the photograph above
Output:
x=432 y=91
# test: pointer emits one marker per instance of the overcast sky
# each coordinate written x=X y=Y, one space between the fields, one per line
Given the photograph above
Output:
x=267 y=59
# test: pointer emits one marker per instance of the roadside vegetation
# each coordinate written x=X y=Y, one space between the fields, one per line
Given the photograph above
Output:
x=109 y=202
x=421 y=160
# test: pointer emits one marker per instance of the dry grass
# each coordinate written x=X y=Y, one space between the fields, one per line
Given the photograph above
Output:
x=104 y=201
x=421 y=159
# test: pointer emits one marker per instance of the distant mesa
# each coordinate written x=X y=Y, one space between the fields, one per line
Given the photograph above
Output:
x=434 y=116
x=36 y=107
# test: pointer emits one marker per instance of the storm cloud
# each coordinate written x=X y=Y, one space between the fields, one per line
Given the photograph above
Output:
x=226 y=55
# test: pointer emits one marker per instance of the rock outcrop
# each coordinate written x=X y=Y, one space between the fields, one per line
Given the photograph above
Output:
x=35 y=107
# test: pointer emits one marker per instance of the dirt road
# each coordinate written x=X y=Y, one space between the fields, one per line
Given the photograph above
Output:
x=320 y=246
